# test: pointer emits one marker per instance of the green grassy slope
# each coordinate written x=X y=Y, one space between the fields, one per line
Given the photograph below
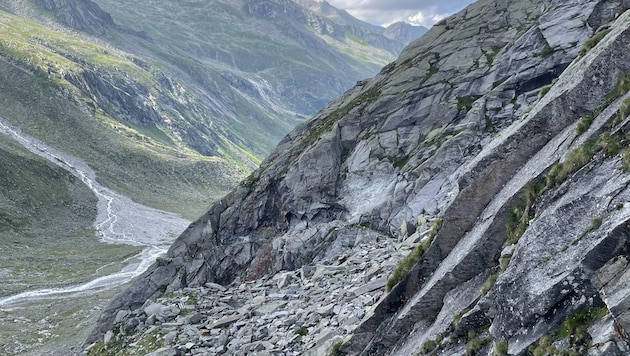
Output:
x=47 y=237
x=179 y=100
x=148 y=163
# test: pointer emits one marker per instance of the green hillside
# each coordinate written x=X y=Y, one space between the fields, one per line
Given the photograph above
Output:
x=46 y=234
x=174 y=102
x=38 y=69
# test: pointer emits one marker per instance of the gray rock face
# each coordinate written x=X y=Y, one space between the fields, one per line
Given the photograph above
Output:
x=531 y=254
x=83 y=15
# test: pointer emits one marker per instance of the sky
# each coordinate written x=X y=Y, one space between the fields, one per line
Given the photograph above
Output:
x=386 y=12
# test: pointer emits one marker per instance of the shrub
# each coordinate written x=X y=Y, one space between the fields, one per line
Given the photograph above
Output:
x=302 y=330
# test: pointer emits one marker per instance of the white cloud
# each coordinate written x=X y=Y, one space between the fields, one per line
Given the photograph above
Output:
x=426 y=18
x=419 y=12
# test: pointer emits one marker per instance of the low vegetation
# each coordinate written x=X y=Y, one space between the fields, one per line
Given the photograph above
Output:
x=574 y=160
x=490 y=281
x=302 y=331
x=413 y=257
x=574 y=329
x=584 y=123
x=520 y=216
x=336 y=349
x=465 y=102
x=593 y=41
x=500 y=348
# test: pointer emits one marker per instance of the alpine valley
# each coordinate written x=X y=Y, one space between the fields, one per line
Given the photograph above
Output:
x=123 y=121
x=472 y=198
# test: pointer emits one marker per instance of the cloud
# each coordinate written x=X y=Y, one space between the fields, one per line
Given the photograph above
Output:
x=418 y=12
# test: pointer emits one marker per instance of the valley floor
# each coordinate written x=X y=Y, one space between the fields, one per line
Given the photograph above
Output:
x=46 y=315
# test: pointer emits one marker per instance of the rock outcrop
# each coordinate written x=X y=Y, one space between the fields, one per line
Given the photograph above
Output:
x=82 y=15
x=506 y=122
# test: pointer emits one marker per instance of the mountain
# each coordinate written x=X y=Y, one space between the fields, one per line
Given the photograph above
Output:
x=404 y=31
x=341 y=25
x=216 y=83
x=168 y=104
x=496 y=144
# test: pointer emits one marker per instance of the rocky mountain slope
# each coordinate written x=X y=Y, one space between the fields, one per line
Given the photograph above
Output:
x=503 y=128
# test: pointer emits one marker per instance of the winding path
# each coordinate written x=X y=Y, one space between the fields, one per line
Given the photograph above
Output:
x=119 y=220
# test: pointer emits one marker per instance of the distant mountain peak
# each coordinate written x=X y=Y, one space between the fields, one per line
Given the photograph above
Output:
x=404 y=31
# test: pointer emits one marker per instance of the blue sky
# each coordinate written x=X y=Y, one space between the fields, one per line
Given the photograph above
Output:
x=418 y=12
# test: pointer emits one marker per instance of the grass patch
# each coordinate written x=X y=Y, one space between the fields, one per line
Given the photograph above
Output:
x=475 y=345
x=575 y=160
x=490 y=281
x=544 y=90
x=594 y=225
x=302 y=330
x=336 y=349
x=521 y=214
x=626 y=160
x=500 y=348
x=490 y=55
x=621 y=87
x=413 y=257
x=546 y=52
x=427 y=347
x=574 y=328
x=465 y=102
x=593 y=41
x=583 y=124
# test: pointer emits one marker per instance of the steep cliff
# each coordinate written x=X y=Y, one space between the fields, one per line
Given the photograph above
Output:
x=504 y=125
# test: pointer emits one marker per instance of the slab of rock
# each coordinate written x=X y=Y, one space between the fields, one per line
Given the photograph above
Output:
x=371 y=286
x=225 y=321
